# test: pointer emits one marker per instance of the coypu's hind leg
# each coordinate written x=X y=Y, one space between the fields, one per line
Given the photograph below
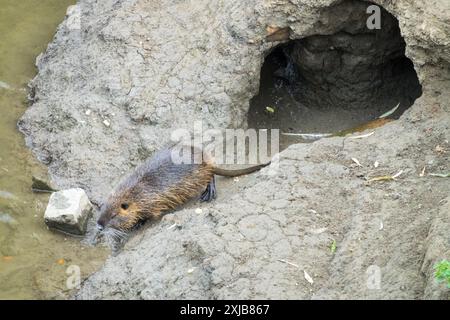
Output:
x=210 y=192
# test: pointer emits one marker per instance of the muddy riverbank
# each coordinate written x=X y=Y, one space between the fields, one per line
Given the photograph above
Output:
x=118 y=78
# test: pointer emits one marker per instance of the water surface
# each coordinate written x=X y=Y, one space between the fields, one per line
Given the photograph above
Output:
x=33 y=259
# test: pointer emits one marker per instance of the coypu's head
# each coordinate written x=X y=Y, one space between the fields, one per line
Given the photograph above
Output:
x=120 y=212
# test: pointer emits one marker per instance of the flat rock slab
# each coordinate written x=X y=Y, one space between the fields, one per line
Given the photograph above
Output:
x=68 y=211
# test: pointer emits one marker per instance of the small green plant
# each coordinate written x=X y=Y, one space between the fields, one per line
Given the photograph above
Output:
x=333 y=246
x=442 y=272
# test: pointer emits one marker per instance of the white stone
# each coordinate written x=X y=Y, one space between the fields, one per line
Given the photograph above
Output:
x=68 y=211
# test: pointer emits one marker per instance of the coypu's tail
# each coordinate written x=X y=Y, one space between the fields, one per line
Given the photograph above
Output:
x=238 y=172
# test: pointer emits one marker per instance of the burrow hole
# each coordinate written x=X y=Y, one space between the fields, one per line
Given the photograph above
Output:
x=336 y=82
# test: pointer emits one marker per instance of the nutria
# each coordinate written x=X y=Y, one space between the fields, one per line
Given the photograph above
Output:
x=159 y=185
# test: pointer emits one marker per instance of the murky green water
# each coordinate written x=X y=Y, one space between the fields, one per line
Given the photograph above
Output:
x=33 y=260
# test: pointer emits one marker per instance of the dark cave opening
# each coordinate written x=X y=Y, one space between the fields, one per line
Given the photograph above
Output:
x=335 y=82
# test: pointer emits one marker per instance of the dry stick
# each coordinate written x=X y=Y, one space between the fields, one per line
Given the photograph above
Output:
x=290 y=263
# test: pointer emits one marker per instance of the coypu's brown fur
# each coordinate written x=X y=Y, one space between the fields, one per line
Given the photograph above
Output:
x=159 y=185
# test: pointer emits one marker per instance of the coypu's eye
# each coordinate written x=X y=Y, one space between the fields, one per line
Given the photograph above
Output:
x=124 y=206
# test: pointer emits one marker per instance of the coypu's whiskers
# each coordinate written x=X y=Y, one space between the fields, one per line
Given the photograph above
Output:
x=115 y=238
x=115 y=234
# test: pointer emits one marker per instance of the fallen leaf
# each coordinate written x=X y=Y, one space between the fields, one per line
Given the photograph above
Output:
x=422 y=173
x=7 y=258
x=397 y=174
x=61 y=262
x=440 y=175
x=270 y=109
x=387 y=114
x=357 y=162
x=308 y=277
